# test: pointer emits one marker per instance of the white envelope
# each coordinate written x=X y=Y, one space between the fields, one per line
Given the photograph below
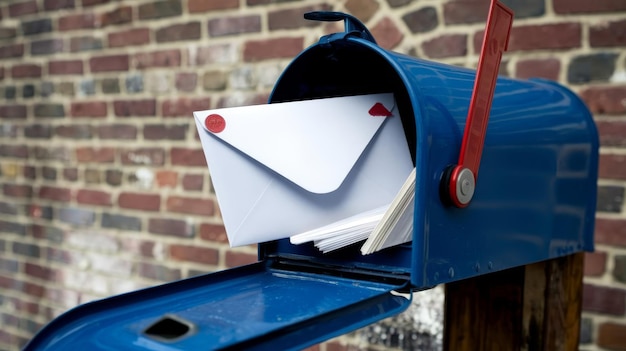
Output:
x=285 y=168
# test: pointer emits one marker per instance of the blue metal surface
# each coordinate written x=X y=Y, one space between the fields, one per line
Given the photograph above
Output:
x=251 y=307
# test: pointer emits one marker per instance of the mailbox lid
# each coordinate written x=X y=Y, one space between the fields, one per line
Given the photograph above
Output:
x=250 y=307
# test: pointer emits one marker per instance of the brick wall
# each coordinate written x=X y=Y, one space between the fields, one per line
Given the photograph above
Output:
x=104 y=187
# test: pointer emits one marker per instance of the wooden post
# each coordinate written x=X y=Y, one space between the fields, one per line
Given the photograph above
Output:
x=531 y=308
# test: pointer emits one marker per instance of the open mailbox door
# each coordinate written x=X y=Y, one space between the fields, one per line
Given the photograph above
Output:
x=255 y=307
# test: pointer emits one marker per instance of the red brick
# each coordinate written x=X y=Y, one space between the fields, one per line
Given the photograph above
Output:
x=75 y=22
x=17 y=190
x=33 y=289
x=37 y=271
x=292 y=18
x=612 y=167
x=387 y=33
x=109 y=63
x=117 y=131
x=195 y=6
x=178 y=32
x=236 y=259
x=449 y=45
x=213 y=232
x=95 y=155
x=163 y=58
x=24 y=306
x=184 y=107
x=93 y=197
x=144 y=156
x=173 y=227
x=612 y=336
x=51 y=5
x=130 y=37
x=595 y=263
x=137 y=201
x=89 y=109
x=188 y=205
x=158 y=272
x=12 y=111
x=166 y=179
x=612 y=132
x=468 y=11
x=55 y=193
x=258 y=50
x=12 y=50
x=193 y=182
x=128 y=108
x=26 y=71
x=223 y=26
x=587 y=6
x=194 y=254
x=16 y=151
x=87 y=3
x=65 y=67
x=23 y=8
x=602 y=299
x=608 y=34
x=540 y=37
x=538 y=68
x=165 y=132
x=187 y=157
x=120 y=15
x=186 y=81
x=609 y=100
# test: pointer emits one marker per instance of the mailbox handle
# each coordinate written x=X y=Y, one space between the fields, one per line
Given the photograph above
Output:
x=351 y=23
x=461 y=178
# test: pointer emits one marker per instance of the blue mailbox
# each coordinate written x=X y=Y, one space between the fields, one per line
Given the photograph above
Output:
x=534 y=200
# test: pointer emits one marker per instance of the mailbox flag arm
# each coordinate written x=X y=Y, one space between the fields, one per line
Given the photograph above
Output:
x=351 y=23
x=461 y=178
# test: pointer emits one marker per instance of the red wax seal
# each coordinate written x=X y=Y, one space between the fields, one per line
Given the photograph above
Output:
x=215 y=123
x=379 y=110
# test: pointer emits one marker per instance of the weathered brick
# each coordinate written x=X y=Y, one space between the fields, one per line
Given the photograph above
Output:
x=12 y=111
x=113 y=177
x=54 y=193
x=9 y=265
x=421 y=20
x=602 y=299
x=7 y=33
x=24 y=249
x=109 y=63
x=173 y=227
x=122 y=222
x=12 y=227
x=538 y=68
x=143 y=156
x=194 y=254
x=10 y=92
x=51 y=5
x=165 y=132
x=188 y=205
x=612 y=166
x=612 y=336
x=110 y=85
x=398 y=3
x=187 y=157
x=387 y=34
x=610 y=198
x=87 y=3
x=77 y=21
x=526 y=8
x=29 y=172
x=589 y=68
x=49 y=110
x=15 y=151
x=48 y=173
x=184 y=107
x=619 y=268
x=219 y=53
x=9 y=208
x=213 y=232
x=608 y=34
x=38 y=131
x=26 y=71
x=70 y=174
x=93 y=197
x=595 y=263
x=129 y=37
x=138 y=201
x=74 y=131
x=196 y=6
x=97 y=109
x=193 y=182
x=158 y=272
x=242 y=100
x=28 y=90
x=160 y=9
x=134 y=83
x=219 y=27
x=38 y=271
x=612 y=133
x=557 y=36
x=258 y=50
x=51 y=153
x=585 y=6
x=46 y=46
x=63 y=67
x=178 y=32
x=447 y=45
x=117 y=131
x=186 y=81
x=12 y=50
x=127 y=108
x=78 y=44
x=95 y=155
x=237 y=259
x=77 y=216
x=166 y=179
x=163 y=58
x=38 y=26
x=361 y=9
x=120 y=15
x=23 y=8
x=92 y=176
x=17 y=190
x=610 y=100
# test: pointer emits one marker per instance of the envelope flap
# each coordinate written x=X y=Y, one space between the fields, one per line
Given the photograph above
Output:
x=313 y=143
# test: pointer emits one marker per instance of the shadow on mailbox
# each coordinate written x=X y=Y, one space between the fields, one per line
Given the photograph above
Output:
x=534 y=200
